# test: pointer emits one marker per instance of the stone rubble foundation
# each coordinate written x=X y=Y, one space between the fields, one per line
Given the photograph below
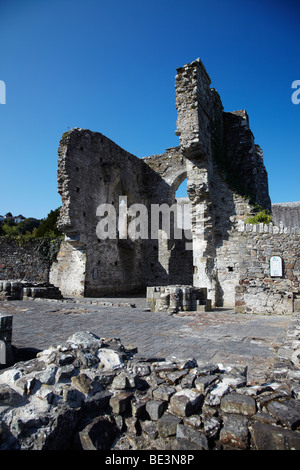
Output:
x=93 y=393
x=23 y=290
x=176 y=298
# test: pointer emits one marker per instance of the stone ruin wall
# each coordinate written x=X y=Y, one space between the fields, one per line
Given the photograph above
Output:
x=225 y=177
x=89 y=266
x=258 y=291
x=167 y=260
x=22 y=261
x=93 y=170
x=219 y=149
x=286 y=213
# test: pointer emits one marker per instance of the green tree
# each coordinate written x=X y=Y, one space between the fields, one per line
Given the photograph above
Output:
x=28 y=225
x=10 y=229
x=48 y=227
x=262 y=216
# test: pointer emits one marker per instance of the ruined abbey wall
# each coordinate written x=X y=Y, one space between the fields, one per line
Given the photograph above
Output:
x=94 y=171
x=115 y=245
x=226 y=178
x=220 y=150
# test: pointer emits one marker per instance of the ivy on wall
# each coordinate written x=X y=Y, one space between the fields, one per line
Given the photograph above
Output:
x=48 y=248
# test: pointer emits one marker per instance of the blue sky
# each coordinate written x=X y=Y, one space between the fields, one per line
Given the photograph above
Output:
x=110 y=66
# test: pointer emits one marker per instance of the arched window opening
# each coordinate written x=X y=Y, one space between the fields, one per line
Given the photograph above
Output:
x=183 y=209
x=182 y=190
x=122 y=224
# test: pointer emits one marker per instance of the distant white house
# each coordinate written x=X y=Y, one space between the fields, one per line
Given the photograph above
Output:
x=9 y=216
x=19 y=218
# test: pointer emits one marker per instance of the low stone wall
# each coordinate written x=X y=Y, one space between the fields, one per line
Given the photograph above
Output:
x=28 y=260
x=258 y=291
x=92 y=393
x=287 y=213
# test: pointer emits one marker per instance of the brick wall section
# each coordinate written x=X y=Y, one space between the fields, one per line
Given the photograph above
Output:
x=257 y=291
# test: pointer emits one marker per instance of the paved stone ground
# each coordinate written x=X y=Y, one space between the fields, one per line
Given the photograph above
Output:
x=219 y=336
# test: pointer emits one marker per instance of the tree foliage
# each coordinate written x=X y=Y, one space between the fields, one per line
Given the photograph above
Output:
x=31 y=227
x=48 y=227
x=262 y=216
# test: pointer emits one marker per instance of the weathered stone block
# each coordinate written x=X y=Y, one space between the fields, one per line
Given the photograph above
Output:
x=98 y=435
x=268 y=437
x=192 y=435
x=203 y=383
x=110 y=359
x=167 y=425
x=120 y=402
x=239 y=404
x=83 y=383
x=235 y=431
x=6 y=354
x=186 y=402
x=121 y=382
x=163 y=393
x=65 y=373
x=8 y=396
x=6 y=328
x=138 y=408
x=175 y=377
x=288 y=412
x=155 y=409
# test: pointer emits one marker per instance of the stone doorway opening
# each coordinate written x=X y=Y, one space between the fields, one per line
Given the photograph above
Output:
x=177 y=251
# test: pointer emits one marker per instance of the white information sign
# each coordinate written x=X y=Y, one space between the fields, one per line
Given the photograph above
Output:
x=276 y=266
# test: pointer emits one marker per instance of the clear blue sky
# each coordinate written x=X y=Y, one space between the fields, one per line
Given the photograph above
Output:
x=110 y=66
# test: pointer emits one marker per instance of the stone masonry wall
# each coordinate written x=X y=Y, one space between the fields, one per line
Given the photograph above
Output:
x=225 y=172
x=94 y=171
x=68 y=270
x=243 y=162
x=22 y=261
x=287 y=213
x=225 y=177
x=167 y=261
x=257 y=291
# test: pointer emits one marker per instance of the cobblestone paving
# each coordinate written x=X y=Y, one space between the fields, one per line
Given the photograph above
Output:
x=219 y=336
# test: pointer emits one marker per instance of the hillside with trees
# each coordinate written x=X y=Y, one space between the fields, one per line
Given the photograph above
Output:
x=30 y=227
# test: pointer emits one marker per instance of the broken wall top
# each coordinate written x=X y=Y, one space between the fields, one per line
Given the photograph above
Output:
x=223 y=140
